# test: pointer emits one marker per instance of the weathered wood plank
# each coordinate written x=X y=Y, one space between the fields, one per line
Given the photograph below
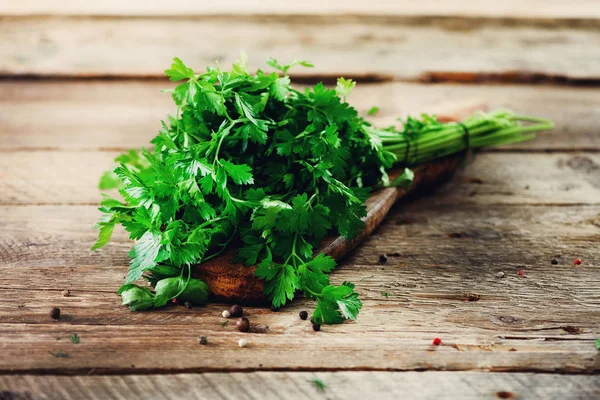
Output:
x=60 y=236
x=381 y=47
x=300 y=385
x=437 y=255
x=511 y=8
x=70 y=177
x=91 y=115
x=443 y=254
x=293 y=345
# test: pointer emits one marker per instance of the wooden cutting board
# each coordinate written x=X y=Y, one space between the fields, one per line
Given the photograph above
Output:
x=235 y=282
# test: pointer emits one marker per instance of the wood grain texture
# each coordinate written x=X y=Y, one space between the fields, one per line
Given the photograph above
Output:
x=377 y=47
x=118 y=115
x=487 y=8
x=70 y=177
x=300 y=385
x=160 y=348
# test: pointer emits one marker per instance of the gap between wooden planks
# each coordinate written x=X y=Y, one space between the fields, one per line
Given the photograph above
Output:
x=118 y=115
x=386 y=47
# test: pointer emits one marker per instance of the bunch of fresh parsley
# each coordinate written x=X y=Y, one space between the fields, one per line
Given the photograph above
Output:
x=250 y=162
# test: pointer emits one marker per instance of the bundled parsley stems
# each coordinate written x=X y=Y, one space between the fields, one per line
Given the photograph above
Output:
x=250 y=162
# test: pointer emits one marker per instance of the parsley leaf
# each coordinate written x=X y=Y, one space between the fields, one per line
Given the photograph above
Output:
x=143 y=255
x=344 y=87
x=373 y=111
x=179 y=71
x=319 y=384
x=281 y=281
x=241 y=174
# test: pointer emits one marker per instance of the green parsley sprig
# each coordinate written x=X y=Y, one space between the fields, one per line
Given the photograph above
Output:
x=250 y=162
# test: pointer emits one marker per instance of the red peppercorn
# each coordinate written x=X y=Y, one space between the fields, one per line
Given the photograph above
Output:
x=521 y=273
x=174 y=301
x=577 y=261
x=437 y=341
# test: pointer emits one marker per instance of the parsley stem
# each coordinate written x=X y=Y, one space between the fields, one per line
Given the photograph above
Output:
x=223 y=247
x=434 y=140
x=293 y=253
x=307 y=289
x=210 y=221
x=224 y=134
x=186 y=282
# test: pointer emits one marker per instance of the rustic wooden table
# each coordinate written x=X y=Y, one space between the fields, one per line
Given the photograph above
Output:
x=81 y=83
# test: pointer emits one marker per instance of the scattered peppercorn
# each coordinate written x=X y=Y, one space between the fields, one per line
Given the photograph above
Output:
x=174 y=301
x=243 y=325
x=316 y=327
x=437 y=341
x=303 y=315
x=382 y=259
x=236 y=311
x=521 y=273
x=203 y=340
x=242 y=343
x=554 y=261
x=226 y=314
x=577 y=261
x=500 y=274
x=65 y=293
x=188 y=304
x=473 y=297
x=54 y=313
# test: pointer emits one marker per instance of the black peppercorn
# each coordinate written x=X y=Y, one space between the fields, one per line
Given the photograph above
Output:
x=54 y=312
x=236 y=311
x=188 y=304
x=316 y=327
x=203 y=340
x=554 y=261
x=303 y=315
x=243 y=325
x=382 y=259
